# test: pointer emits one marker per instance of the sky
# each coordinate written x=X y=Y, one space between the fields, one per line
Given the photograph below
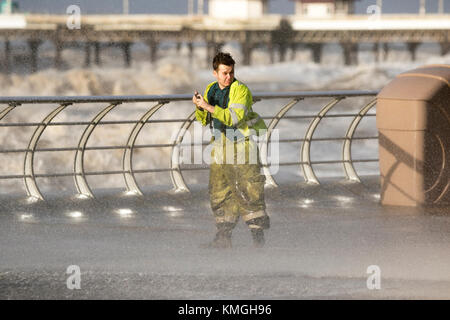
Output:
x=180 y=6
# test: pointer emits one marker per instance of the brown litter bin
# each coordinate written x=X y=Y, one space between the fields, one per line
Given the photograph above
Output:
x=413 y=121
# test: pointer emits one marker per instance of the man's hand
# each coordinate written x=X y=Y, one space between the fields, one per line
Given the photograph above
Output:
x=200 y=102
x=195 y=97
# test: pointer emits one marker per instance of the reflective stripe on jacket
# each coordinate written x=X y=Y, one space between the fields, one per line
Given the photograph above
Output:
x=238 y=114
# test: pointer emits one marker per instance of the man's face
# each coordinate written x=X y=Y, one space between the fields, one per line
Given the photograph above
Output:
x=224 y=75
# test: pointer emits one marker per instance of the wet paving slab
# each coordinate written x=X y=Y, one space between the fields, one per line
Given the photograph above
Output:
x=324 y=243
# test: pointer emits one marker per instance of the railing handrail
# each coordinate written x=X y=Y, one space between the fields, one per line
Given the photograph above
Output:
x=178 y=97
x=175 y=169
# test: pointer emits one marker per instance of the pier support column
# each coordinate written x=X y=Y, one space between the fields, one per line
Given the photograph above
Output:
x=34 y=50
x=316 y=52
x=445 y=48
x=87 y=54
x=412 y=47
x=191 y=51
x=58 y=54
x=209 y=45
x=385 y=51
x=293 y=51
x=350 y=53
x=270 y=48
x=246 y=48
x=246 y=53
x=7 y=58
x=376 y=51
x=282 y=49
x=126 y=53
x=153 y=46
x=97 y=53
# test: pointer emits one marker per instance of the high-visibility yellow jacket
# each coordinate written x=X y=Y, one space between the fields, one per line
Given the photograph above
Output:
x=237 y=114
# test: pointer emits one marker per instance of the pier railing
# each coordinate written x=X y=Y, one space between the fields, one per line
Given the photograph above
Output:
x=175 y=169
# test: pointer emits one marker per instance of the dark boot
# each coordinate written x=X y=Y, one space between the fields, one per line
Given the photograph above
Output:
x=258 y=237
x=222 y=239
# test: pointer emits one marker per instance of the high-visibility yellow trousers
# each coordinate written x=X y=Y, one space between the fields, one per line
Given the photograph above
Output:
x=237 y=189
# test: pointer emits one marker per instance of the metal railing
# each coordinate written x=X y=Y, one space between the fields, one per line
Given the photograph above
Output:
x=175 y=169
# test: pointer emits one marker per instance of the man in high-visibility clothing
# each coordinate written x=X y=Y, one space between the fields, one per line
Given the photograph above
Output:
x=236 y=185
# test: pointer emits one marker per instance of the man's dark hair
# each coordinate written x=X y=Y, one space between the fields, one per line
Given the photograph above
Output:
x=222 y=58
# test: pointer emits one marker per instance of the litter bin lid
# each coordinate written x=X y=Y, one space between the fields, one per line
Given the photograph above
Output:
x=427 y=83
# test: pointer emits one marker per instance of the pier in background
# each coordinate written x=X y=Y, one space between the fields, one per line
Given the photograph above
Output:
x=276 y=33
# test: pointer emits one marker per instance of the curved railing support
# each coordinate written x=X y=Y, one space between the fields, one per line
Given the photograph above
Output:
x=127 y=160
x=28 y=167
x=349 y=169
x=305 y=154
x=7 y=110
x=179 y=185
x=270 y=181
x=78 y=167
